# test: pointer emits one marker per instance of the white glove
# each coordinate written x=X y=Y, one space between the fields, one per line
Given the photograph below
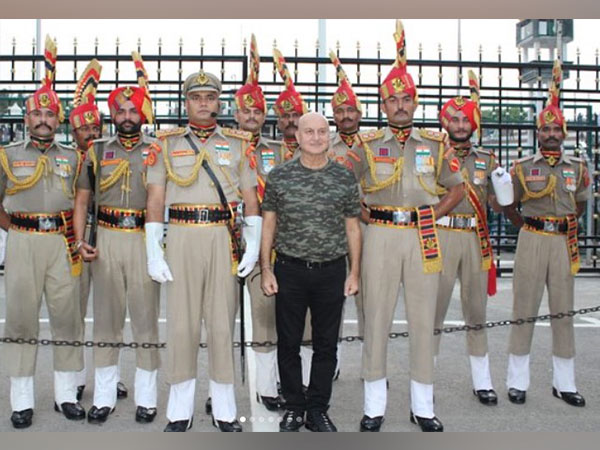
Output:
x=251 y=234
x=157 y=266
x=503 y=187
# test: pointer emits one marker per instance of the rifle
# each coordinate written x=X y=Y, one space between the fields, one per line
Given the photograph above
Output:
x=94 y=184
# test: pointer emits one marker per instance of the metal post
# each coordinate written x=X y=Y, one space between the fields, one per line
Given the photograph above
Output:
x=322 y=51
x=38 y=44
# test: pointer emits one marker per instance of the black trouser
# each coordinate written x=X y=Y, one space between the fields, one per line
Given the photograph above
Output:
x=322 y=290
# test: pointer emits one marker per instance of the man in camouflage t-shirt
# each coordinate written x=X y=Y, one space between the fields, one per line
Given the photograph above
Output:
x=310 y=214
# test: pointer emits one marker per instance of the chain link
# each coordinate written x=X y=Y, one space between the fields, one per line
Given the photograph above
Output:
x=253 y=344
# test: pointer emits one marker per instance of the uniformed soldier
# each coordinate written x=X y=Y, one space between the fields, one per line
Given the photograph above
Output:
x=404 y=167
x=289 y=107
x=201 y=173
x=553 y=189
x=264 y=154
x=347 y=113
x=465 y=240
x=119 y=259
x=37 y=184
x=86 y=125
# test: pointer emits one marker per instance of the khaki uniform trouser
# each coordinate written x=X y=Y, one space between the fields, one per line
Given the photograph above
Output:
x=203 y=289
x=462 y=259
x=392 y=257
x=37 y=264
x=263 y=314
x=542 y=260
x=121 y=282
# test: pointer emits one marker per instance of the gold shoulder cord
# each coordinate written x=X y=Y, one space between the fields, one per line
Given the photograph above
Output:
x=172 y=176
x=41 y=168
x=379 y=185
x=439 y=190
x=548 y=190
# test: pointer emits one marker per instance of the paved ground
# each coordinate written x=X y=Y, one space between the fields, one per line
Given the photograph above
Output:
x=455 y=404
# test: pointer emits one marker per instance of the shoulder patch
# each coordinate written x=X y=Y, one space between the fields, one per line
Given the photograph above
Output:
x=367 y=136
x=240 y=134
x=161 y=134
x=433 y=135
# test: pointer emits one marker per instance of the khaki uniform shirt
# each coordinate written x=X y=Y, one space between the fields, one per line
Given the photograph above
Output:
x=179 y=168
x=423 y=165
x=53 y=191
x=127 y=190
x=476 y=169
x=342 y=154
x=533 y=174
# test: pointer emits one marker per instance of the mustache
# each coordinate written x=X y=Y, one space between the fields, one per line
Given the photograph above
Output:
x=128 y=122
x=42 y=125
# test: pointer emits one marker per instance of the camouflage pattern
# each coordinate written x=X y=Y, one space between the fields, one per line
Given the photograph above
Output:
x=311 y=206
x=477 y=167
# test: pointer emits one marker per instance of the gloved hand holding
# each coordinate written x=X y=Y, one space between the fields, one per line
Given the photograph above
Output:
x=251 y=233
x=158 y=269
x=503 y=187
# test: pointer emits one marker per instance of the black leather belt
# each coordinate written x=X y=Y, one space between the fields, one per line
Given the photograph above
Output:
x=40 y=223
x=203 y=215
x=548 y=226
x=121 y=219
x=394 y=217
x=286 y=259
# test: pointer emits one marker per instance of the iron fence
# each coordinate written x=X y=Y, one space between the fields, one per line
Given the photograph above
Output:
x=509 y=103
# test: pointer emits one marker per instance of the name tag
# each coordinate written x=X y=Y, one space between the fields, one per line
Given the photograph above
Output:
x=178 y=153
x=533 y=178
x=424 y=162
x=24 y=163
x=223 y=153
x=110 y=162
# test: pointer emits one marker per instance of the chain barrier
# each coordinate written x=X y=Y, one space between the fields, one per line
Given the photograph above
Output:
x=253 y=344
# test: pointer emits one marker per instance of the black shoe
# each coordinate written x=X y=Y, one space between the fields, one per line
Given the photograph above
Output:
x=22 y=419
x=227 y=427
x=80 y=390
x=208 y=406
x=99 y=415
x=72 y=411
x=179 y=426
x=271 y=403
x=319 y=421
x=336 y=375
x=371 y=424
x=427 y=425
x=122 y=391
x=572 y=398
x=144 y=415
x=291 y=421
x=486 y=396
x=516 y=396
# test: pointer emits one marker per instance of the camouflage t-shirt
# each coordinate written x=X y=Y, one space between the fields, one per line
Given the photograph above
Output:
x=311 y=207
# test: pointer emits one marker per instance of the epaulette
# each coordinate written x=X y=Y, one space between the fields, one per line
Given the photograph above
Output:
x=433 y=135
x=523 y=159
x=367 y=136
x=66 y=147
x=240 y=134
x=484 y=151
x=578 y=159
x=13 y=144
x=161 y=134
